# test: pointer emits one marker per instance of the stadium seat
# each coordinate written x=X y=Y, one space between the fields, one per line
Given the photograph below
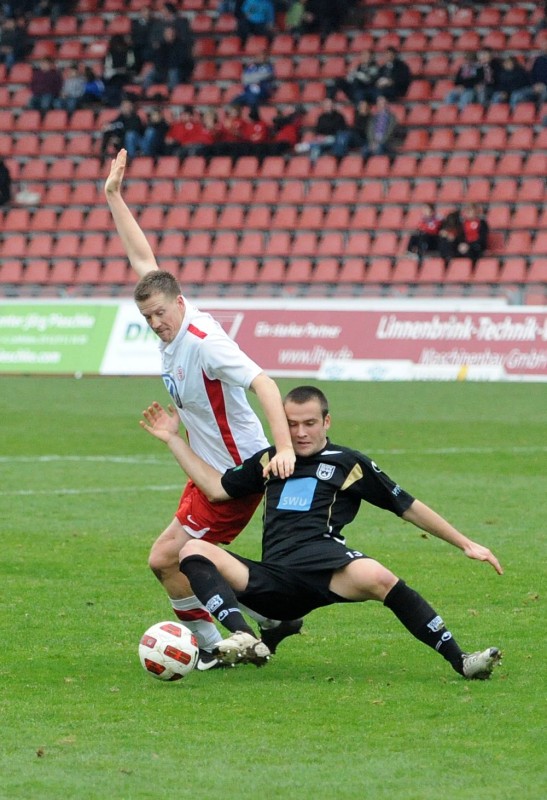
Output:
x=332 y=245
x=539 y=245
x=518 y=243
x=486 y=270
x=53 y=145
x=311 y=217
x=405 y=270
x=525 y=216
x=358 y=244
x=177 y=217
x=173 y=245
x=258 y=217
x=344 y=193
x=41 y=245
x=336 y=218
x=88 y=271
x=325 y=271
x=513 y=270
x=245 y=271
x=378 y=271
x=530 y=190
x=431 y=270
x=251 y=244
x=272 y=271
x=457 y=165
x=352 y=270
x=36 y=271
x=16 y=219
x=203 y=218
x=398 y=191
x=231 y=218
x=451 y=190
x=192 y=271
x=458 y=271
x=298 y=270
x=44 y=219
x=537 y=271
x=219 y=270
x=62 y=271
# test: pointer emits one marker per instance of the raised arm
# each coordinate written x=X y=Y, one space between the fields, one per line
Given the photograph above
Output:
x=164 y=425
x=428 y=520
x=136 y=246
x=266 y=390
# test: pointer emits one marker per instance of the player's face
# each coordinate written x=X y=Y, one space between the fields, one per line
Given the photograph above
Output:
x=163 y=314
x=307 y=427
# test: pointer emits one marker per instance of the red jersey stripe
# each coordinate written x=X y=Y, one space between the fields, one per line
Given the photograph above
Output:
x=216 y=398
x=196 y=331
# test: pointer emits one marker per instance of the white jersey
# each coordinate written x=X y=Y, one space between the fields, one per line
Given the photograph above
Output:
x=206 y=374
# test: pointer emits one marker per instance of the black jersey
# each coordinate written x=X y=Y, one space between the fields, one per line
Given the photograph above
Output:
x=317 y=501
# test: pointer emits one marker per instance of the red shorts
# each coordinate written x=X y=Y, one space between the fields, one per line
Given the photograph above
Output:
x=214 y=522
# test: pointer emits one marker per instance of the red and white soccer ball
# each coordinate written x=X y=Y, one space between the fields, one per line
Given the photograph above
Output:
x=168 y=651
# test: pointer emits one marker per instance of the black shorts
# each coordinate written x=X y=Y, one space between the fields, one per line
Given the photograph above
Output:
x=291 y=589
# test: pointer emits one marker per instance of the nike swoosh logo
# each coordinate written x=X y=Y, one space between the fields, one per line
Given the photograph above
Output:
x=190 y=518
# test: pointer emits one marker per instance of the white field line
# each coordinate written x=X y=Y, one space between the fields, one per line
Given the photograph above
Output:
x=151 y=460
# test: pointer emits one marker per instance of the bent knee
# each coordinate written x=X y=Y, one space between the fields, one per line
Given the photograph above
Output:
x=381 y=579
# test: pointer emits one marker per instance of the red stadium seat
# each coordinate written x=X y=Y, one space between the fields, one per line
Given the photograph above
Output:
x=513 y=270
x=378 y=271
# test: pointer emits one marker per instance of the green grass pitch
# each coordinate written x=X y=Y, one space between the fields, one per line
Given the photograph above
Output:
x=355 y=707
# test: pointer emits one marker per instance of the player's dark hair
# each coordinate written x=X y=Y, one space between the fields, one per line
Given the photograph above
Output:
x=303 y=394
x=155 y=282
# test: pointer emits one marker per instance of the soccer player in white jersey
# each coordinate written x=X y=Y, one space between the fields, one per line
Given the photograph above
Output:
x=206 y=375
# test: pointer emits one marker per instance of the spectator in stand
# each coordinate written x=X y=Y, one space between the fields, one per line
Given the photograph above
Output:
x=538 y=75
x=296 y=17
x=394 y=76
x=46 y=85
x=360 y=83
x=187 y=135
x=124 y=131
x=15 y=43
x=329 y=123
x=426 y=238
x=514 y=83
x=73 y=89
x=286 y=129
x=491 y=66
x=152 y=142
x=256 y=135
x=5 y=183
x=258 y=80
x=451 y=236
x=469 y=77
x=172 y=18
x=355 y=136
x=119 y=68
x=381 y=130
x=142 y=27
x=172 y=61
x=326 y=16
x=231 y=125
x=256 y=17
x=94 y=88
x=475 y=233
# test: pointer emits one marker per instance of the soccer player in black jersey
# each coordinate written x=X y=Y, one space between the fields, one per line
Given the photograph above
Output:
x=305 y=562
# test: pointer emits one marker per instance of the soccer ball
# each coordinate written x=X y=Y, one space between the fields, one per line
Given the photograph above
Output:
x=168 y=651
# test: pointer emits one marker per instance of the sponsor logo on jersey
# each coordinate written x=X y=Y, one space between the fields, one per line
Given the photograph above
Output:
x=375 y=466
x=297 y=494
x=171 y=387
x=325 y=471
x=180 y=373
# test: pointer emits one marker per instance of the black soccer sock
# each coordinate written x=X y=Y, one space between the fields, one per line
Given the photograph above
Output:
x=214 y=591
x=423 y=622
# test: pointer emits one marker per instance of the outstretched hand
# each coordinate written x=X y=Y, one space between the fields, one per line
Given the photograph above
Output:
x=281 y=464
x=161 y=423
x=480 y=553
x=117 y=169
